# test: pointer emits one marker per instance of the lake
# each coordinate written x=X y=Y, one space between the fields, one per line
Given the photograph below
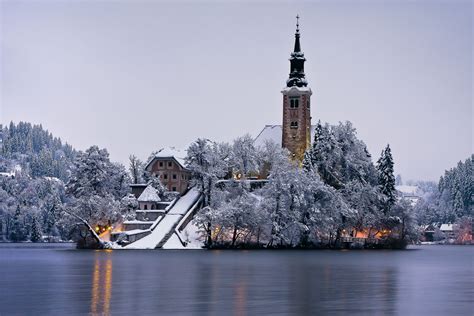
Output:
x=59 y=280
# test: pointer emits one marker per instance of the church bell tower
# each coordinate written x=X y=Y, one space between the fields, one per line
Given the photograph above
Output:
x=296 y=128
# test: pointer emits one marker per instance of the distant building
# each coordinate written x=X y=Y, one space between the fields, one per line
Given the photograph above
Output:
x=168 y=165
x=448 y=230
x=409 y=192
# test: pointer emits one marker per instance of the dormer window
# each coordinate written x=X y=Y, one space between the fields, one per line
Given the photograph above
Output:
x=294 y=103
x=294 y=125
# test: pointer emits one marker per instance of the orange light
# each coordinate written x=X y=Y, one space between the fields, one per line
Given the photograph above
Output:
x=97 y=228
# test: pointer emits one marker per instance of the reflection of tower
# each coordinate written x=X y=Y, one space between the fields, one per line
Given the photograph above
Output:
x=296 y=129
x=101 y=284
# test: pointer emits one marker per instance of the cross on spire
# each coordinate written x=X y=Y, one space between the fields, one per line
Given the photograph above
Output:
x=297 y=22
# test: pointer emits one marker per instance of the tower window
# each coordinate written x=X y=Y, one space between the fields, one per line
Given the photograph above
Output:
x=294 y=125
x=294 y=103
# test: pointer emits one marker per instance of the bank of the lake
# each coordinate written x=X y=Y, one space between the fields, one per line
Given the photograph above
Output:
x=52 y=279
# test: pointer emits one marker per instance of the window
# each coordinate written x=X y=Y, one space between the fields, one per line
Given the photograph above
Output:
x=169 y=164
x=161 y=163
x=165 y=176
x=308 y=105
x=145 y=207
x=174 y=189
x=174 y=176
x=294 y=103
x=294 y=125
x=182 y=177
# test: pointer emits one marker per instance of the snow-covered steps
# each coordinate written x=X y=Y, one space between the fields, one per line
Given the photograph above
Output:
x=166 y=226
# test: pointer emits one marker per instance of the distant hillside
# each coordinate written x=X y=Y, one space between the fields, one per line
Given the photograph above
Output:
x=36 y=150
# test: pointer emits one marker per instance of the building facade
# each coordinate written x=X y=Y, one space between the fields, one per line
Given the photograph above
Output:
x=296 y=127
x=168 y=165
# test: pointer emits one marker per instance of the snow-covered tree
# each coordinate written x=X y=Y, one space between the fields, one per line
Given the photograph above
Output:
x=129 y=204
x=96 y=186
x=18 y=229
x=208 y=162
x=386 y=178
x=244 y=156
x=136 y=169
x=36 y=233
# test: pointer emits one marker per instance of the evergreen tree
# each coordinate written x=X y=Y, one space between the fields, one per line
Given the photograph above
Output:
x=386 y=178
x=35 y=230
x=18 y=229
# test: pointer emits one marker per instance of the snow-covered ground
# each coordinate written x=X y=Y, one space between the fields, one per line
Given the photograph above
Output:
x=169 y=222
x=190 y=235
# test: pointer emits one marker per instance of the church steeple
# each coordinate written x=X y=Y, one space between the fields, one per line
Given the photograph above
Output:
x=297 y=35
x=296 y=127
x=297 y=76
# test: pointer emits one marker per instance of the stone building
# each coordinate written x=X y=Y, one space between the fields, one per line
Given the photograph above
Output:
x=296 y=131
x=168 y=165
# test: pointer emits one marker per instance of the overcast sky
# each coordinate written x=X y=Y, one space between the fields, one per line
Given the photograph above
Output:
x=135 y=76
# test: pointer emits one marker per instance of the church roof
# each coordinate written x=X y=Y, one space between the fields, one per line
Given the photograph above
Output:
x=274 y=133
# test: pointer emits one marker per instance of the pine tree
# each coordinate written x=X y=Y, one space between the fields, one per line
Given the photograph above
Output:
x=17 y=231
x=386 y=177
x=35 y=230
x=307 y=161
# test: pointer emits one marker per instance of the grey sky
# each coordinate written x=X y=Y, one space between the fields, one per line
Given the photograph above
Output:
x=136 y=76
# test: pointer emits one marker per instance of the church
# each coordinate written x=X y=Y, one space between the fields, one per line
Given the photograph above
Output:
x=296 y=132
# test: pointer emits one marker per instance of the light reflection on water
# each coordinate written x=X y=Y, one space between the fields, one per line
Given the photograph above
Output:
x=102 y=283
x=434 y=280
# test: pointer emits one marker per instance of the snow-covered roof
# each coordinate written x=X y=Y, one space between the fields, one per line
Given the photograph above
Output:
x=170 y=152
x=7 y=174
x=131 y=232
x=274 y=133
x=296 y=89
x=446 y=227
x=150 y=194
x=407 y=189
x=138 y=185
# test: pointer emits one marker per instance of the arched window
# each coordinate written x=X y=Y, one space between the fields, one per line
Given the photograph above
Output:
x=294 y=103
x=294 y=125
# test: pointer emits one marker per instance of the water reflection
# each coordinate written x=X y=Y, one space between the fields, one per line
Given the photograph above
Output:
x=430 y=281
x=101 y=291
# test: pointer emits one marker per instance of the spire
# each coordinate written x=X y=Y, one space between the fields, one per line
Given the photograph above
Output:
x=297 y=35
x=297 y=76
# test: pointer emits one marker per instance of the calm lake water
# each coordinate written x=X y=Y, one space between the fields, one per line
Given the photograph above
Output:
x=59 y=280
